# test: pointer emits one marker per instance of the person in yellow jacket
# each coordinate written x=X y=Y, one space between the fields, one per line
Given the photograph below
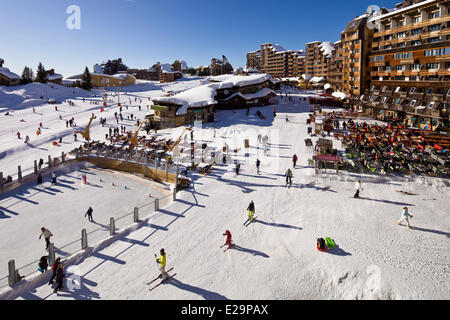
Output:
x=162 y=264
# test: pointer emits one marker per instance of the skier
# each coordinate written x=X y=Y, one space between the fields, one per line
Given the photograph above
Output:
x=43 y=264
x=405 y=217
x=89 y=214
x=289 y=176
x=74 y=137
x=47 y=234
x=228 y=241
x=238 y=167
x=251 y=210
x=258 y=164
x=27 y=139
x=274 y=112
x=41 y=162
x=59 y=278
x=287 y=118
x=358 y=188
x=18 y=135
x=294 y=160
x=53 y=178
x=162 y=262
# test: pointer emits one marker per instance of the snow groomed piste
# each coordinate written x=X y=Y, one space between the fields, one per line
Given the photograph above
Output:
x=276 y=256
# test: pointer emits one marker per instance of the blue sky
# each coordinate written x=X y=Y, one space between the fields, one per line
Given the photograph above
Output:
x=143 y=32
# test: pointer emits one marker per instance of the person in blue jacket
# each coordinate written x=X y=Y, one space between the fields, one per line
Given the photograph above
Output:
x=405 y=217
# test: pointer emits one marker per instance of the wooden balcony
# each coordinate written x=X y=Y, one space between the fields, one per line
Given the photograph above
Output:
x=444 y=72
x=407 y=61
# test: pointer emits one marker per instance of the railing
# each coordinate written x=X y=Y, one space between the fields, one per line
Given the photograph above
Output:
x=120 y=223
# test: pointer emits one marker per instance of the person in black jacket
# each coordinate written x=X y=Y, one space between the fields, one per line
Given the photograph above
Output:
x=54 y=268
x=39 y=179
x=43 y=264
x=59 y=278
x=89 y=214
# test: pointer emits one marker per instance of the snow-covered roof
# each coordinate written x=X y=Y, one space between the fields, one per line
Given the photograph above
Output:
x=229 y=81
x=396 y=11
x=327 y=48
x=260 y=94
x=277 y=48
x=307 y=77
x=7 y=73
x=317 y=79
x=327 y=86
x=55 y=76
x=204 y=95
x=291 y=79
x=339 y=95
x=167 y=68
x=200 y=96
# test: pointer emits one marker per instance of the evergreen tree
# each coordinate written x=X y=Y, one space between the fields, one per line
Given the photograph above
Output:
x=27 y=76
x=87 y=81
x=41 y=75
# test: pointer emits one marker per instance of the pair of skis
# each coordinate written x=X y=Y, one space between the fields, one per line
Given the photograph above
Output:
x=248 y=222
x=163 y=281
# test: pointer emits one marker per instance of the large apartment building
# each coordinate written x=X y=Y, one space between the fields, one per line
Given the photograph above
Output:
x=318 y=55
x=410 y=64
x=277 y=61
x=355 y=41
x=335 y=67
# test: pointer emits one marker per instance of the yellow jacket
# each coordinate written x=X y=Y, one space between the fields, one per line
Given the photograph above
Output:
x=162 y=260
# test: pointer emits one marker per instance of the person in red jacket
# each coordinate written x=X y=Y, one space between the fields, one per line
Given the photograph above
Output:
x=228 y=242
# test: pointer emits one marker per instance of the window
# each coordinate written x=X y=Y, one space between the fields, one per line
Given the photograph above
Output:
x=377 y=59
x=413 y=103
x=430 y=90
x=412 y=90
x=435 y=15
x=401 y=23
x=401 y=35
x=434 y=27
x=416 y=31
x=397 y=101
x=356 y=50
x=416 y=19
x=389 y=47
x=415 y=67
x=400 y=45
x=397 y=89
x=388 y=37
x=400 y=68
x=432 y=66
x=404 y=55
x=431 y=104
x=432 y=40
x=384 y=99
x=388 y=69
